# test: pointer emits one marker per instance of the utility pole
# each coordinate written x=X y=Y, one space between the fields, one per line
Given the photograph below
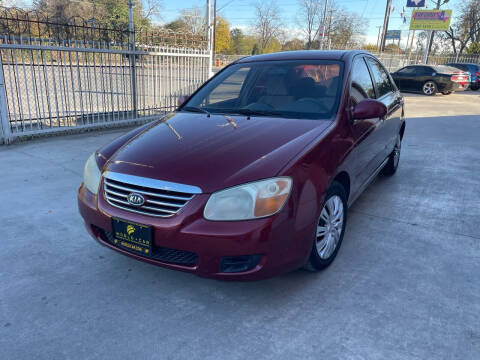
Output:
x=324 y=22
x=411 y=47
x=132 y=57
x=330 y=30
x=385 y=25
x=209 y=38
x=378 y=37
x=214 y=25
x=431 y=34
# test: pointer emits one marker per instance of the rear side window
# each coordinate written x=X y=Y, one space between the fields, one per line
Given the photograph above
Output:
x=424 y=70
x=407 y=70
x=381 y=78
x=361 y=86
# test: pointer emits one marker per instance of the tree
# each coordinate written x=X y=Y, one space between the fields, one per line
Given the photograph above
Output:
x=178 y=25
x=267 y=25
x=467 y=27
x=370 y=47
x=273 y=45
x=473 y=48
x=240 y=43
x=107 y=13
x=294 y=44
x=222 y=35
x=309 y=19
x=344 y=29
x=195 y=20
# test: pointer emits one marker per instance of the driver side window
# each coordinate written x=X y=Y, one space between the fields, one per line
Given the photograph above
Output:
x=228 y=90
x=361 y=85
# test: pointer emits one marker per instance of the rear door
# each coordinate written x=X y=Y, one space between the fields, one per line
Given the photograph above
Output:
x=422 y=74
x=388 y=94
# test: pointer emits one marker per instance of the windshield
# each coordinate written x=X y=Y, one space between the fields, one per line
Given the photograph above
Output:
x=296 y=89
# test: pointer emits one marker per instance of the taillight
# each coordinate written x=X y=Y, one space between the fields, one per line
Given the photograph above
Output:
x=454 y=78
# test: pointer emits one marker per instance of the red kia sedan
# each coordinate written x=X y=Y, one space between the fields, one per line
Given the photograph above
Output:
x=253 y=174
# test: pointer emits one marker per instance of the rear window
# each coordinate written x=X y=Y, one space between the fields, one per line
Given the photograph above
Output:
x=443 y=69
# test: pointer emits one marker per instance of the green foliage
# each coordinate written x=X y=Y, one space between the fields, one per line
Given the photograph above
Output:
x=178 y=25
x=473 y=48
x=370 y=47
x=240 y=43
x=295 y=44
x=223 y=37
x=272 y=46
x=107 y=13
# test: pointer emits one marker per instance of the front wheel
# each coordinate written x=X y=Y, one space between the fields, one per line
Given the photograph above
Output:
x=330 y=229
x=474 y=87
x=429 y=88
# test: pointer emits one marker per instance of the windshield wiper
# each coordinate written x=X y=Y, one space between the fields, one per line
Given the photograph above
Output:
x=196 y=109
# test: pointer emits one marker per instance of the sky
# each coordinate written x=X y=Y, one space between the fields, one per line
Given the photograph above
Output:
x=240 y=13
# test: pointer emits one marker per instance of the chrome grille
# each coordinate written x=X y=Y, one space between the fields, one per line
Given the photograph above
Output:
x=162 y=198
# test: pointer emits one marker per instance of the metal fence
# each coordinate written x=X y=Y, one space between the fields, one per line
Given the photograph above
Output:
x=392 y=62
x=80 y=77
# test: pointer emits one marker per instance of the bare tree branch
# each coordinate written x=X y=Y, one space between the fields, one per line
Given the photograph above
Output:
x=267 y=25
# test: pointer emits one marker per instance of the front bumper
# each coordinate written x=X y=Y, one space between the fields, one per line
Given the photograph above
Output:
x=282 y=245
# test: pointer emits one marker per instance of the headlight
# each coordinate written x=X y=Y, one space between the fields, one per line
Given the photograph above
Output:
x=250 y=201
x=91 y=175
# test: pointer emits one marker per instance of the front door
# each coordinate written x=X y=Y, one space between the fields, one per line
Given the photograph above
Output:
x=365 y=132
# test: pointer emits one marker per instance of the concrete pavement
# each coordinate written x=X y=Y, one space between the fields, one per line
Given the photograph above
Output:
x=405 y=284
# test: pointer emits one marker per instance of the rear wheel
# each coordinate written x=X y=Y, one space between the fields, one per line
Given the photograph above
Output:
x=393 y=159
x=429 y=88
x=474 y=87
x=330 y=229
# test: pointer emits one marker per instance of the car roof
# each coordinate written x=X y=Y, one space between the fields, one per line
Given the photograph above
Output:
x=343 y=55
x=454 y=63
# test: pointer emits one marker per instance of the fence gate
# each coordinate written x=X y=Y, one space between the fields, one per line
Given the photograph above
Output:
x=59 y=77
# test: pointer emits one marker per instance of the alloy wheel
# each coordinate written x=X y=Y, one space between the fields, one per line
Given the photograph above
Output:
x=330 y=227
x=428 y=88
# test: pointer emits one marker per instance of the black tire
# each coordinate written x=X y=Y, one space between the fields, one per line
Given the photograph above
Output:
x=429 y=88
x=315 y=261
x=393 y=159
x=474 y=87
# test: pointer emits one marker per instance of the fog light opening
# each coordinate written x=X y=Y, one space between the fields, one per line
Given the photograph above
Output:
x=234 y=264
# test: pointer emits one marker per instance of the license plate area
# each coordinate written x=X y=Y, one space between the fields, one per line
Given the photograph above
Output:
x=133 y=237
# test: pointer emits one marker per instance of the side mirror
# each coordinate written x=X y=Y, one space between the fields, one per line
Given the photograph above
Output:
x=369 y=109
x=182 y=99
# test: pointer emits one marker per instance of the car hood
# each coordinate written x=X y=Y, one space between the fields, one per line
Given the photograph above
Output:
x=214 y=152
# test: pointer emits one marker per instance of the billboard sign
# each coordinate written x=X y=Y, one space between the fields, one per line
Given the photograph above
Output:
x=415 y=3
x=430 y=20
x=392 y=35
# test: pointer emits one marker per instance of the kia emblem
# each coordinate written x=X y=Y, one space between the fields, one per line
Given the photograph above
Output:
x=135 y=199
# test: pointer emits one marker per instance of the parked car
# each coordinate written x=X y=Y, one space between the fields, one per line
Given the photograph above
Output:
x=430 y=79
x=473 y=69
x=252 y=175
